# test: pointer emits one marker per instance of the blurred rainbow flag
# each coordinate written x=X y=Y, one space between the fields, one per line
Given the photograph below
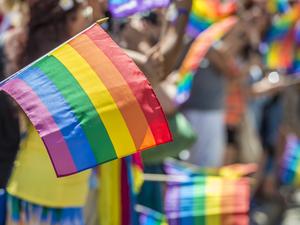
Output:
x=204 y=13
x=120 y=182
x=150 y=217
x=89 y=103
x=290 y=166
x=124 y=8
x=283 y=42
x=278 y=6
x=207 y=199
x=197 y=52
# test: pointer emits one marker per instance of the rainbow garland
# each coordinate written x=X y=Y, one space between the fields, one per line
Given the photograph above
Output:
x=204 y=13
x=89 y=102
x=196 y=53
x=290 y=166
x=283 y=42
x=120 y=184
x=207 y=199
x=124 y=8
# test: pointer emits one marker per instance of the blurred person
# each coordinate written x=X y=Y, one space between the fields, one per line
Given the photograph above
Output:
x=36 y=195
x=205 y=108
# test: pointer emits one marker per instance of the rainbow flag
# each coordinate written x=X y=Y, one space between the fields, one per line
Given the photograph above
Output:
x=124 y=8
x=89 y=102
x=278 y=6
x=204 y=13
x=290 y=165
x=282 y=41
x=120 y=183
x=150 y=217
x=196 y=53
x=207 y=199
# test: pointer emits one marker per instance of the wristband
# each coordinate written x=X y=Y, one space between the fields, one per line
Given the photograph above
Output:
x=183 y=11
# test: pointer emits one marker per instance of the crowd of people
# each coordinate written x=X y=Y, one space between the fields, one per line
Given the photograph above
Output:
x=239 y=110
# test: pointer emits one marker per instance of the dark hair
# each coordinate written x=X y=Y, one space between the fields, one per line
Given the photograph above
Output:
x=46 y=29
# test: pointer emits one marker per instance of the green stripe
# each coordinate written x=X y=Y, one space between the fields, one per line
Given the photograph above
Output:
x=199 y=201
x=83 y=108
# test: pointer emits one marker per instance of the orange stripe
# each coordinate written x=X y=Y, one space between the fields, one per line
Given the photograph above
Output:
x=119 y=90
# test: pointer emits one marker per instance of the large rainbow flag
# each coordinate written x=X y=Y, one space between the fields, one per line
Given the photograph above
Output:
x=89 y=102
x=196 y=53
x=290 y=165
x=204 y=13
x=124 y=8
x=206 y=198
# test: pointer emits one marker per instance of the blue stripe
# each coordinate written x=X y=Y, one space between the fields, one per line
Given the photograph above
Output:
x=63 y=115
x=199 y=23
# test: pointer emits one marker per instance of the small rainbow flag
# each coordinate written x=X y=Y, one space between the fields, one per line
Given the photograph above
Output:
x=124 y=8
x=204 y=13
x=282 y=40
x=207 y=199
x=197 y=52
x=290 y=166
x=89 y=102
x=150 y=217
x=278 y=6
x=120 y=183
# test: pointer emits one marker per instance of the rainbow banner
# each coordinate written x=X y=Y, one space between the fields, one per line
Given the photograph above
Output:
x=124 y=8
x=196 y=53
x=150 y=217
x=121 y=181
x=207 y=199
x=89 y=103
x=290 y=166
x=204 y=13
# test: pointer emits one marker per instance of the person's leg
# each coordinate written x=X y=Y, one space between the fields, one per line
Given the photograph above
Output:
x=208 y=151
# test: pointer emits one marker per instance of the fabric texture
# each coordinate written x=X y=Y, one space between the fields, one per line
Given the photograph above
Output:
x=35 y=181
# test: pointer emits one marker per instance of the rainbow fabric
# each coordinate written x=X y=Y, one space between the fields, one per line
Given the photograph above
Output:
x=278 y=6
x=290 y=166
x=204 y=13
x=207 y=200
x=196 y=53
x=89 y=102
x=150 y=217
x=120 y=181
x=282 y=40
x=124 y=8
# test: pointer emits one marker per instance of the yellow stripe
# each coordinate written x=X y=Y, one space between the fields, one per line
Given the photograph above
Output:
x=109 y=199
x=100 y=97
x=213 y=201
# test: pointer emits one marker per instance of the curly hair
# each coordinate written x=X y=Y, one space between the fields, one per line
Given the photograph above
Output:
x=45 y=30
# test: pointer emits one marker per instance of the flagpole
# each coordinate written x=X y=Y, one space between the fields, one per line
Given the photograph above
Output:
x=99 y=22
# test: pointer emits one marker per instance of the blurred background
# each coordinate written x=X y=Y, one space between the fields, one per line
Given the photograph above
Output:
x=227 y=74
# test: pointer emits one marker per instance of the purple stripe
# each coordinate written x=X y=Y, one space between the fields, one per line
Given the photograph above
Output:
x=192 y=31
x=129 y=7
x=44 y=123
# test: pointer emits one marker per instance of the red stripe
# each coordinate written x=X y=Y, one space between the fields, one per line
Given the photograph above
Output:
x=125 y=194
x=136 y=81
